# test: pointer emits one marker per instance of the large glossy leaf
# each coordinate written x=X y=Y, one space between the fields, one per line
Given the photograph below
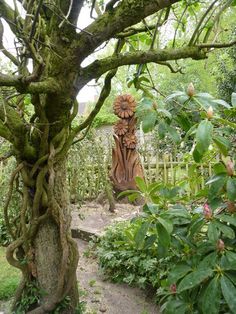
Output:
x=226 y=122
x=217 y=177
x=149 y=121
x=216 y=186
x=223 y=144
x=173 y=134
x=229 y=293
x=163 y=235
x=141 y=234
x=167 y=224
x=209 y=261
x=212 y=232
x=221 y=102
x=226 y=230
x=211 y=297
x=193 y=279
x=228 y=218
x=203 y=136
x=233 y=96
x=178 y=211
x=219 y=168
x=141 y=184
x=231 y=189
x=178 y=272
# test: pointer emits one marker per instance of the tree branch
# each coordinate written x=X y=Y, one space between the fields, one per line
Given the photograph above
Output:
x=217 y=45
x=75 y=11
x=2 y=48
x=8 y=14
x=21 y=84
x=135 y=30
x=98 y=67
x=125 y=14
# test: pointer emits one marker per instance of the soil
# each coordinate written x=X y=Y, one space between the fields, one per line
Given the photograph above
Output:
x=93 y=218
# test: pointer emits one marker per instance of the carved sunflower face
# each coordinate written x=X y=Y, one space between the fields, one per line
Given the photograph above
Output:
x=124 y=106
x=121 y=127
x=130 y=140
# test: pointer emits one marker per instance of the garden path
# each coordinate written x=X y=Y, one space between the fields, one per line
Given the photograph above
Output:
x=106 y=297
x=103 y=296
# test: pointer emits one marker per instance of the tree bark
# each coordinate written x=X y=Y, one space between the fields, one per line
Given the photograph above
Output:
x=49 y=253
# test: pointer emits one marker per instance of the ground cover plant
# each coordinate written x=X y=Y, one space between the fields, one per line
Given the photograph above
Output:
x=184 y=250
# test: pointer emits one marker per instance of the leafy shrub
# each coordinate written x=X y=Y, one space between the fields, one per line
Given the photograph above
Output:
x=123 y=260
x=187 y=254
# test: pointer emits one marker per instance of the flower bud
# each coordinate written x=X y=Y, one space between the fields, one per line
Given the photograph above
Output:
x=207 y=212
x=190 y=90
x=173 y=288
x=210 y=112
x=220 y=246
x=230 y=167
x=154 y=105
x=231 y=207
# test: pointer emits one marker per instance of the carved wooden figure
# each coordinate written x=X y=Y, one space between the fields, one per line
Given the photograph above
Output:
x=125 y=158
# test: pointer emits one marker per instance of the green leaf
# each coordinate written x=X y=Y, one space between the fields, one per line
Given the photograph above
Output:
x=228 y=218
x=208 y=262
x=193 y=279
x=216 y=186
x=175 y=95
x=223 y=144
x=203 y=136
x=231 y=189
x=178 y=211
x=228 y=261
x=212 y=232
x=178 y=272
x=233 y=96
x=167 y=224
x=197 y=156
x=141 y=184
x=221 y=102
x=231 y=256
x=226 y=230
x=216 y=178
x=163 y=235
x=162 y=129
x=128 y=192
x=229 y=293
x=219 y=168
x=165 y=113
x=141 y=234
x=149 y=121
x=226 y=122
x=211 y=297
x=173 y=134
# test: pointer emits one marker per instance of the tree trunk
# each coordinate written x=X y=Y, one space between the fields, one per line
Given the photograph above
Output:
x=45 y=251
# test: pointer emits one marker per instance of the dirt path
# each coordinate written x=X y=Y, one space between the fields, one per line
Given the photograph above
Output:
x=105 y=297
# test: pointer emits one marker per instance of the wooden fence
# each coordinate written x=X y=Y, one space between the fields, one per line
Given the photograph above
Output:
x=170 y=167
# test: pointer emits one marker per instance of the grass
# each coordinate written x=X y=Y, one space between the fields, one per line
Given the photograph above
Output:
x=9 y=277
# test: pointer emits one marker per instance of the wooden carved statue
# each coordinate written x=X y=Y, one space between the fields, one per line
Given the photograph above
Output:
x=125 y=158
